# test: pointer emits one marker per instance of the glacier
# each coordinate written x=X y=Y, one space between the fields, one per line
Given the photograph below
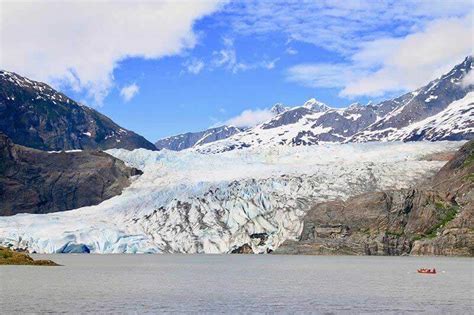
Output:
x=191 y=202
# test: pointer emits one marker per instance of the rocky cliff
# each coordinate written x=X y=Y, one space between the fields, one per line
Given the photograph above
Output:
x=34 y=181
x=35 y=115
x=436 y=218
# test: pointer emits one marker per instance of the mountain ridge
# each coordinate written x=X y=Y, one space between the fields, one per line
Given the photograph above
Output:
x=35 y=115
x=422 y=114
x=305 y=125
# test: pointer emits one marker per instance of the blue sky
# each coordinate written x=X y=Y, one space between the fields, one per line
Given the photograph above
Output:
x=163 y=68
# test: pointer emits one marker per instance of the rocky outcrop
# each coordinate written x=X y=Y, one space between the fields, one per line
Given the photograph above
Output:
x=434 y=219
x=34 y=181
x=35 y=115
x=10 y=257
x=244 y=249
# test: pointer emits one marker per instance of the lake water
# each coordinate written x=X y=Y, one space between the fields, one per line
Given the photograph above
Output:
x=238 y=283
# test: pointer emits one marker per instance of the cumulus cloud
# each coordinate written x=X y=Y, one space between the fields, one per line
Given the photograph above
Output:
x=250 y=118
x=409 y=62
x=394 y=64
x=129 y=91
x=80 y=43
x=194 y=66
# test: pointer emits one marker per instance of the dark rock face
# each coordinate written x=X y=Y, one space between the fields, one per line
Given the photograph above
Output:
x=190 y=139
x=34 y=181
x=35 y=115
x=436 y=219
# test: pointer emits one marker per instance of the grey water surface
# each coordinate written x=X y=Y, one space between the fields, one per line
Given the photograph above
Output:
x=238 y=284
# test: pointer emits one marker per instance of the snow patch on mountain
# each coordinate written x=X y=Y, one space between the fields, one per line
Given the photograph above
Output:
x=455 y=122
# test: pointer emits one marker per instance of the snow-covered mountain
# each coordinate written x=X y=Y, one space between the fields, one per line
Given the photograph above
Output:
x=312 y=123
x=418 y=106
x=441 y=110
x=195 y=139
x=190 y=203
x=192 y=139
x=455 y=122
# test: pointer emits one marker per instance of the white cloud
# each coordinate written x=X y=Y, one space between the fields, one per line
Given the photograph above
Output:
x=413 y=60
x=250 y=118
x=291 y=51
x=129 y=91
x=468 y=79
x=227 y=58
x=323 y=75
x=194 y=66
x=269 y=64
x=80 y=43
x=394 y=64
x=338 y=25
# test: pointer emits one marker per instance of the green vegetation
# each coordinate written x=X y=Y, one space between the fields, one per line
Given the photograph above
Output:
x=394 y=233
x=9 y=257
x=469 y=160
x=469 y=177
x=365 y=231
x=441 y=205
x=450 y=212
x=449 y=215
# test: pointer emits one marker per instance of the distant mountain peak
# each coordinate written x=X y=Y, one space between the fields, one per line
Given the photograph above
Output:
x=355 y=105
x=278 y=108
x=193 y=139
x=315 y=105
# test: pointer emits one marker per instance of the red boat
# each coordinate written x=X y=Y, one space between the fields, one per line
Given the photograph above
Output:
x=428 y=271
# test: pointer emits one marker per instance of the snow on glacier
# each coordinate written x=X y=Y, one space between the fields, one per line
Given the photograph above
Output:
x=191 y=202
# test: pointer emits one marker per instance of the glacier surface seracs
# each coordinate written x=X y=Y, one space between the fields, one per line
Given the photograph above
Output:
x=189 y=202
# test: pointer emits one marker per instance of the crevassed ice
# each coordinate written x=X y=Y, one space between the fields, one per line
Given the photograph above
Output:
x=190 y=202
